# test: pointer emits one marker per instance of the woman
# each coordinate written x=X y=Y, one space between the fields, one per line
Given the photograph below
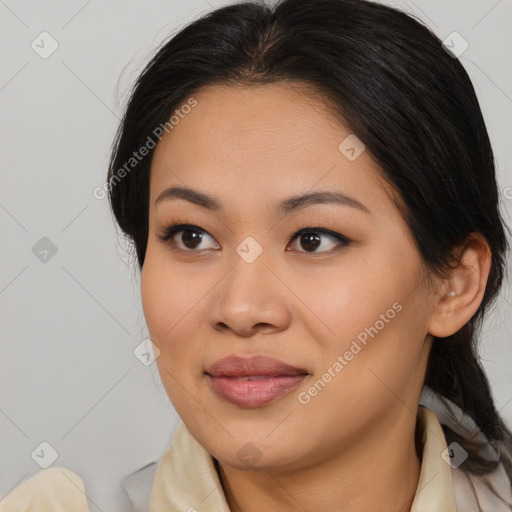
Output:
x=311 y=194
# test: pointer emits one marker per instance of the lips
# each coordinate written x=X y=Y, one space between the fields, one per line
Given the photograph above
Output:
x=252 y=368
x=254 y=381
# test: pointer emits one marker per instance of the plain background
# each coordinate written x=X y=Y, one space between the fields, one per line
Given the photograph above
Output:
x=68 y=375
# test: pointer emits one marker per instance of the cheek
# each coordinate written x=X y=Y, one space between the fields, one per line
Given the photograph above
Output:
x=173 y=310
x=373 y=316
x=381 y=351
x=167 y=302
x=343 y=304
x=169 y=298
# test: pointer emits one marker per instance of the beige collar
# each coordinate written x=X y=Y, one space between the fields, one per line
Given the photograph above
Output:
x=435 y=487
x=186 y=479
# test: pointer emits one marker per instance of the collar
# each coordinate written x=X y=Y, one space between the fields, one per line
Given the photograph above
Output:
x=186 y=478
x=435 y=491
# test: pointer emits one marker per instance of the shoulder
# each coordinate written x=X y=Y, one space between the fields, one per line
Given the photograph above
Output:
x=57 y=489
x=474 y=493
x=488 y=492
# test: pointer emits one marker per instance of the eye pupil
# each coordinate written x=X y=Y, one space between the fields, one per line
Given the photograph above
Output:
x=191 y=238
x=310 y=241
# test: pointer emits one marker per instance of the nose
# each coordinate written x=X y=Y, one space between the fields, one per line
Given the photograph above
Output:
x=250 y=299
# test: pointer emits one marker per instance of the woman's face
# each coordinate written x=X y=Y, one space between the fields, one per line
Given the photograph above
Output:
x=350 y=314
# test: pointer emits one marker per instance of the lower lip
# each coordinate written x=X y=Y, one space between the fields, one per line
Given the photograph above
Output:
x=254 y=393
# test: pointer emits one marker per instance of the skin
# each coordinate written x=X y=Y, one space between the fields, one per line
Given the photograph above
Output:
x=251 y=147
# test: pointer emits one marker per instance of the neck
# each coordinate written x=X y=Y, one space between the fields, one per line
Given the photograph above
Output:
x=379 y=472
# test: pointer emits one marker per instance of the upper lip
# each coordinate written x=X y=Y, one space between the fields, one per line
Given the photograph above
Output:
x=235 y=366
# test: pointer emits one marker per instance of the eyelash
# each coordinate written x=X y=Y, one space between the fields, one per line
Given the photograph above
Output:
x=300 y=227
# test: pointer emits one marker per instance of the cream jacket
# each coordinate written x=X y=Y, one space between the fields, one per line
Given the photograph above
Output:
x=185 y=480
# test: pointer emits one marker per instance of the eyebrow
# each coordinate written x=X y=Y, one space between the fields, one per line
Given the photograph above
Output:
x=286 y=206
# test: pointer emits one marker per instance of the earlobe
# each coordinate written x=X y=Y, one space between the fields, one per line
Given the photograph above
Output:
x=460 y=295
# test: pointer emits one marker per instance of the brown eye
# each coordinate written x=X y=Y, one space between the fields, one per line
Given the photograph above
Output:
x=310 y=239
x=190 y=239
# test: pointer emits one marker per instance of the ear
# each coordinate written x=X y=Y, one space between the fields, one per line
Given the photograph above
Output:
x=457 y=298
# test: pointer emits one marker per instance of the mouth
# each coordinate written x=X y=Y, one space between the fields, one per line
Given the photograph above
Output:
x=255 y=381
x=257 y=377
x=253 y=367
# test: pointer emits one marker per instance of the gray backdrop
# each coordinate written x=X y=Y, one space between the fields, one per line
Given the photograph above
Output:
x=71 y=315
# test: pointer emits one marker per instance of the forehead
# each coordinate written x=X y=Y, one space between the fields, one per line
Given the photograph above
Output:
x=262 y=140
